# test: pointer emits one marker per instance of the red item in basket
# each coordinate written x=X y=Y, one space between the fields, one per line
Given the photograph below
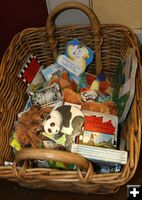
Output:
x=29 y=70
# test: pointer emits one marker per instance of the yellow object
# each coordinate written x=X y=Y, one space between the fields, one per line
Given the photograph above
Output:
x=61 y=140
x=15 y=144
x=78 y=55
x=95 y=86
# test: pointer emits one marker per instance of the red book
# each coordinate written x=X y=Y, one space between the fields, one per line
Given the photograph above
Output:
x=100 y=129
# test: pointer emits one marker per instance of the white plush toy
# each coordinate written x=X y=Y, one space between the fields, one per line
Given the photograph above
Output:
x=65 y=119
x=53 y=123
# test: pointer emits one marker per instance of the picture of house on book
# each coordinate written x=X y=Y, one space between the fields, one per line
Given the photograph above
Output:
x=100 y=130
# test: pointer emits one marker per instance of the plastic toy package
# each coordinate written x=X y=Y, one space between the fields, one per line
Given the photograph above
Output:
x=77 y=57
x=49 y=95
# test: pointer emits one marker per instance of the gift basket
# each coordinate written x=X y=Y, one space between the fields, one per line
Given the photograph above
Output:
x=111 y=44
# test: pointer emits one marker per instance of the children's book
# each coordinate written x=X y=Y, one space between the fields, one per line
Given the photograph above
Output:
x=100 y=154
x=77 y=57
x=104 y=168
x=100 y=130
x=124 y=84
x=64 y=124
x=52 y=70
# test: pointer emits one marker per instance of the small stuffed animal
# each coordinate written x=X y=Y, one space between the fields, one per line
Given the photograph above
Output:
x=78 y=55
x=29 y=126
x=105 y=107
x=64 y=82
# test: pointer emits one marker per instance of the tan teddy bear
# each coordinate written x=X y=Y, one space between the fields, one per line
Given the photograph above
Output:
x=105 y=107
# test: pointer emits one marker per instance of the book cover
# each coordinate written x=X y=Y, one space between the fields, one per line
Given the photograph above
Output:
x=99 y=130
x=124 y=83
x=52 y=70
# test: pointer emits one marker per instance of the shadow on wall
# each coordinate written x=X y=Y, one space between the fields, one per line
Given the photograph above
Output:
x=17 y=15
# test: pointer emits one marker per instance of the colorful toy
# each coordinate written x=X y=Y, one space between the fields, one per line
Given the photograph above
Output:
x=30 y=69
x=48 y=95
x=77 y=57
x=64 y=81
x=64 y=124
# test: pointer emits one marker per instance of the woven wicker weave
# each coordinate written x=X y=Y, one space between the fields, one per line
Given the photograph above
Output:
x=110 y=43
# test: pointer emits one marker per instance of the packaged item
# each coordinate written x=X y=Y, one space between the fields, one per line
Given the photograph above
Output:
x=77 y=57
x=56 y=71
x=47 y=96
x=52 y=70
x=124 y=84
x=30 y=69
x=100 y=129
x=55 y=165
x=104 y=167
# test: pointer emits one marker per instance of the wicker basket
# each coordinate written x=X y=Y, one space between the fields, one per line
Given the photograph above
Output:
x=110 y=43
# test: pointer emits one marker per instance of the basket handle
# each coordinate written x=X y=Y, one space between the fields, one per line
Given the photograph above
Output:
x=95 y=24
x=53 y=155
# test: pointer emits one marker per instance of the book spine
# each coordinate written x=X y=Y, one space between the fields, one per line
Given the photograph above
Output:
x=101 y=154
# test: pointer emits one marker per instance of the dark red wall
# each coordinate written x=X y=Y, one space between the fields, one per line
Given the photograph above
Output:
x=16 y=15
